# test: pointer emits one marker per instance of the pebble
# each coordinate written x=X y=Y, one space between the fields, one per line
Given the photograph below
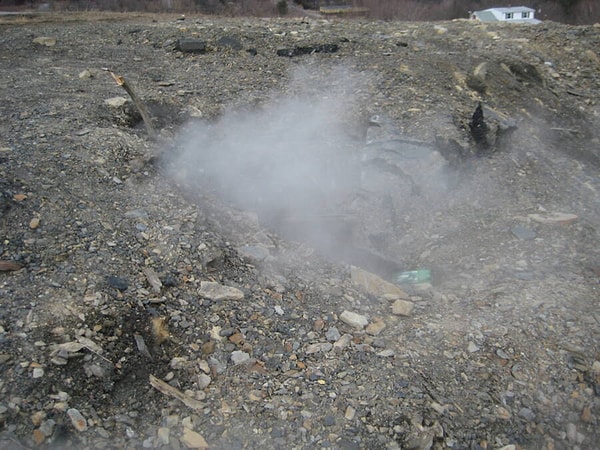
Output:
x=354 y=319
x=191 y=439
x=163 y=435
x=350 y=413
x=203 y=380
x=45 y=40
x=402 y=308
x=115 y=102
x=34 y=223
x=77 y=419
x=376 y=327
x=323 y=347
x=342 y=342
x=472 y=348
x=216 y=291
x=527 y=414
x=238 y=357
x=332 y=334
x=121 y=284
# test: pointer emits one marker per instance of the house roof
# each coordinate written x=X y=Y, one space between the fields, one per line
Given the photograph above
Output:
x=513 y=9
x=496 y=14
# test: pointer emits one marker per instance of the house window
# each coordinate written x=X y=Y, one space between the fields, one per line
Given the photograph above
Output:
x=525 y=15
x=508 y=16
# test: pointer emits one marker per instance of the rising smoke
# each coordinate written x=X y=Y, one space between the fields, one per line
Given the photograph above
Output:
x=293 y=162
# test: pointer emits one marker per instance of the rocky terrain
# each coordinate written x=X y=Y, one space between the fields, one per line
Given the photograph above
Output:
x=233 y=274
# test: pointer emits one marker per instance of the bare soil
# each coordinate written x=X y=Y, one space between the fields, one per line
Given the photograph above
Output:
x=111 y=240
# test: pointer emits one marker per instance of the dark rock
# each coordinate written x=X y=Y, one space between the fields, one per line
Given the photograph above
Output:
x=191 y=45
x=118 y=283
x=479 y=130
x=229 y=42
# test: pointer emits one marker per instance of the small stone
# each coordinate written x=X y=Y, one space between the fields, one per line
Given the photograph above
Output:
x=115 y=102
x=527 y=414
x=38 y=372
x=323 y=347
x=239 y=357
x=387 y=353
x=318 y=324
x=472 y=347
x=163 y=435
x=34 y=223
x=329 y=421
x=586 y=414
x=342 y=342
x=350 y=413
x=191 y=439
x=38 y=437
x=47 y=427
x=376 y=327
x=118 y=283
x=37 y=418
x=203 y=380
x=44 y=40
x=77 y=419
x=332 y=334
x=402 y=308
x=85 y=74
x=503 y=413
x=353 y=319
x=216 y=291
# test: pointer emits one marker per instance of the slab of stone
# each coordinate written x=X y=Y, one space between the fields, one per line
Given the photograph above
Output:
x=217 y=291
x=354 y=319
x=372 y=284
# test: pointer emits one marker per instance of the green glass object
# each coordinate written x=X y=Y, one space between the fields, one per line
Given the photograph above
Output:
x=414 y=276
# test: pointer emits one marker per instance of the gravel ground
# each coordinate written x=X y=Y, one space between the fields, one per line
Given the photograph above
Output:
x=233 y=282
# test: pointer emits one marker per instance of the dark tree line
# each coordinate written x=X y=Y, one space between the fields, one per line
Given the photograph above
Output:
x=569 y=11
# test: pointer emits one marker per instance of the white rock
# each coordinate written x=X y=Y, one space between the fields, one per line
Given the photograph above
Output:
x=77 y=419
x=402 y=308
x=239 y=357
x=217 y=291
x=353 y=319
x=115 y=102
x=203 y=380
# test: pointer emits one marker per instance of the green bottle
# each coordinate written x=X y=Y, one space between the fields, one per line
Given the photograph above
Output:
x=414 y=276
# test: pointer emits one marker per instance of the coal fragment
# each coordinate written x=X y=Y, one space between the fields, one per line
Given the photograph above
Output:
x=479 y=130
x=191 y=45
x=118 y=283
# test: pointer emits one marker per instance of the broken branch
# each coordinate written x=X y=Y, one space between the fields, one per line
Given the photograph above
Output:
x=137 y=102
x=169 y=390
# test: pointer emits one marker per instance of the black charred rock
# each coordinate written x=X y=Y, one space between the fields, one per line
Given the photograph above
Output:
x=191 y=46
x=479 y=130
x=121 y=284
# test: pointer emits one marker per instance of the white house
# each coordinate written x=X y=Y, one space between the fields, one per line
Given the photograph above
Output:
x=512 y=14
